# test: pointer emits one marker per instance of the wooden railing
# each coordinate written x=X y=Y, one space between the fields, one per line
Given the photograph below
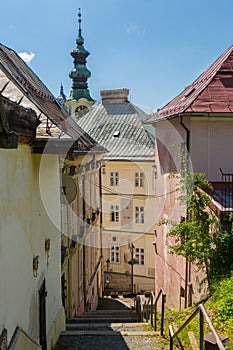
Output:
x=202 y=315
x=148 y=309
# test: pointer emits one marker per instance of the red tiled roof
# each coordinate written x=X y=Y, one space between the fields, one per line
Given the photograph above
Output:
x=211 y=92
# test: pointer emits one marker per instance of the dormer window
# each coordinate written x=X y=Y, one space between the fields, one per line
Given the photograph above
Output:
x=116 y=133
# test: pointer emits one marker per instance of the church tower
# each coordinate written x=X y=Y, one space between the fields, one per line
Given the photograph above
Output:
x=80 y=99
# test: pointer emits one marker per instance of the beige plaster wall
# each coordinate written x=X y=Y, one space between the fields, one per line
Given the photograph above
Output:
x=211 y=146
x=29 y=214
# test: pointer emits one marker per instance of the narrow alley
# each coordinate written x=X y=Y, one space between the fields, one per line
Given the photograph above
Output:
x=113 y=326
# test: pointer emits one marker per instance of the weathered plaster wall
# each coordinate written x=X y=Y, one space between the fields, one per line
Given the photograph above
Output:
x=29 y=214
x=170 y=269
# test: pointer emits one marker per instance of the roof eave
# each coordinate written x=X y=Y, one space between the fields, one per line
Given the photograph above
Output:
x=59 y=146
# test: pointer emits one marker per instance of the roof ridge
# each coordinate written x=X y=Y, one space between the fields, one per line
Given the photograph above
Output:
x=185 y=99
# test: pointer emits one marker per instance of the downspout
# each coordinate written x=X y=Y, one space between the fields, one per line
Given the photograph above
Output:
x=84 y=246
x=187 y=133
x=187 y=264
x=101 y=228
x=101 y=209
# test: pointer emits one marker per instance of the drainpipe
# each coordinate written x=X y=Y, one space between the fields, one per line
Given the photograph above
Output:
x=187 y=264
x=101 y=227
x=187 y=133
x=101 y=209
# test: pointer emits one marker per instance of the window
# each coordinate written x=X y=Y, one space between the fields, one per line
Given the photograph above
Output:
x=140 y=255
x=114 y=213
x=139 y=215
x=114 y=254
x=114 y=179
x=139 y=180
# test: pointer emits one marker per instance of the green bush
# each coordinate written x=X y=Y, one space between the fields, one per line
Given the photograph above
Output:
x=223 y=298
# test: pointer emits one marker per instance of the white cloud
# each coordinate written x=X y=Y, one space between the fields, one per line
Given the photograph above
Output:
x=133 y=29
x=27 y=57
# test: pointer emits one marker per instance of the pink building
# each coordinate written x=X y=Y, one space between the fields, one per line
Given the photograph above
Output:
x=200 y=118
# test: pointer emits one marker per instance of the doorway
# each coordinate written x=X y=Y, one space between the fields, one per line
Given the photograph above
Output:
x=42 y=315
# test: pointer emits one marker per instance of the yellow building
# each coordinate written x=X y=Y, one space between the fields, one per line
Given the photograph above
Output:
x=127 y=190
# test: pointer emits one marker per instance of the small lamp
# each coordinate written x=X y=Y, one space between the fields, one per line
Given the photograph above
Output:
x=47 y=244
x=35 y=265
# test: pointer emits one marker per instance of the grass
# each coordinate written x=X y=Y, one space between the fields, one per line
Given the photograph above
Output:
x=220 y=309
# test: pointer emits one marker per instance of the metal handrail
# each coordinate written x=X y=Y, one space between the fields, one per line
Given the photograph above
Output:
x=161 y=292
x=149 y=308
x=202 y=314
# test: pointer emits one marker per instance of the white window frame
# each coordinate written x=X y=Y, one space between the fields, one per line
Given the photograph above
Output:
x=139 y=179
x=114 y=213
x=140 y=256
x=115 y=254
x=139 y=215
x=114 y=178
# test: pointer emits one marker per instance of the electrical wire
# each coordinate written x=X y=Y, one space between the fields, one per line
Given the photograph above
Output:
x=124 y=195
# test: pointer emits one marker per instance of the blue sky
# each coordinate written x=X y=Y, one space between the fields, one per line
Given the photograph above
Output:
x=153 y=47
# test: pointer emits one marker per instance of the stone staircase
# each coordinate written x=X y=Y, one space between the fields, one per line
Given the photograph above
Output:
x=108 y=329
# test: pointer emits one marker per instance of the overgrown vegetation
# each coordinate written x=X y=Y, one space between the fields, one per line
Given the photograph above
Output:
x=220 y=309
x=200 y=237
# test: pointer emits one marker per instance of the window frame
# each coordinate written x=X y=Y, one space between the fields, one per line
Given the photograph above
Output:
x=114 y=178
x=140 y=256
x=139 y=214
x=114 y=213
x=139 y=179
x=115 y=254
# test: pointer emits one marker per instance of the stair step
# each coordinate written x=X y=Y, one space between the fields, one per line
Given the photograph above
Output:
x=96 y=325
x=108 y=333
x=110 y=312
x=103 y=319
x=117 y=327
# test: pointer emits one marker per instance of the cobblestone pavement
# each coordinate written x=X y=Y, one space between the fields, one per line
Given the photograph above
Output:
x=115 y=342
x=109 y=336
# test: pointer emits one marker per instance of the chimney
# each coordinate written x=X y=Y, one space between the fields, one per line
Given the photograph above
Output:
x=115 y=96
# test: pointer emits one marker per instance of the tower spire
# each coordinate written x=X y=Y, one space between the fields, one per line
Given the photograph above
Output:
x=79 y=21
x=80 y=73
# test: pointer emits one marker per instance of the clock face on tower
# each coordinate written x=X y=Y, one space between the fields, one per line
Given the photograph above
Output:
x=80 y=110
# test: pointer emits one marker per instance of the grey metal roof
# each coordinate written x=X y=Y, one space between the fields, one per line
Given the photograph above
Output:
x=133 y=140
